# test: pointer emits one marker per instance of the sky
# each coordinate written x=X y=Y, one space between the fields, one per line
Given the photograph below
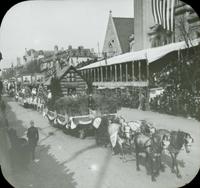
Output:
x=41 y=25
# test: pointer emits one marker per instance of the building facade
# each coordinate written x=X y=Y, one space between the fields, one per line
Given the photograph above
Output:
x=132 y=70
x=54 y=63
x=143 y=20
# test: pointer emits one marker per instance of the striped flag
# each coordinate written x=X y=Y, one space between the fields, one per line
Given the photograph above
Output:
x=42 y=93
x=163 y=13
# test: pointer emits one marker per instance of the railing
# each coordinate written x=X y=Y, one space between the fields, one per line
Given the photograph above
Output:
x=121 y=84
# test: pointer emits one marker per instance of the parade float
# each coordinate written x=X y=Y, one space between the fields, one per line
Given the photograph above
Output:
x=77 y=117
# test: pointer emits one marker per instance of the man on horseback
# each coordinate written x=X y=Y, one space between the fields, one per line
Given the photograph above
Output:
x=33 y=137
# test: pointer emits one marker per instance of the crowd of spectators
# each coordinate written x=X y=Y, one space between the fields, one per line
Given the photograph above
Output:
x=180 y=97
x=128 y=98
x=181 y=102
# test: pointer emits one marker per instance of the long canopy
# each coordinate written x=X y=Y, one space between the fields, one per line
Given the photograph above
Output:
x=151 y=54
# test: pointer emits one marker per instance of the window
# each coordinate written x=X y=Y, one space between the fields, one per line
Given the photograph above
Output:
x=71 y=77
x=71 y=91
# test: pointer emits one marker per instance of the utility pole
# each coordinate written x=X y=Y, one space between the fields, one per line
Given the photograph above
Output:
x=98 y=49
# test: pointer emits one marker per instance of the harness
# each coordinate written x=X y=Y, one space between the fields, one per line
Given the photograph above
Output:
x=175 y=143
x=155 y=147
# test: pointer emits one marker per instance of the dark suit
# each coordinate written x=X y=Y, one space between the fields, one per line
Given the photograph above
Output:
x=91 y=103
x=1 y=88
x=33 y=137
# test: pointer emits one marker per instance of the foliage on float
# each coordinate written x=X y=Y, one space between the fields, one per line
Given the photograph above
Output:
x=79 y=105
x=72 y=105
x=106 y=104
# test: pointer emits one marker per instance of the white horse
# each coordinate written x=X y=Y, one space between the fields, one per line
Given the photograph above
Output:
x=122 y=133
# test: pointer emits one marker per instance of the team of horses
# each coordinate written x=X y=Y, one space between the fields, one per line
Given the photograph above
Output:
x=139 y=137
x=142 y=137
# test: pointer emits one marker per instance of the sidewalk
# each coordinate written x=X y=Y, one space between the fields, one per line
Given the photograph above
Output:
x=5 y=157
x=45 y=172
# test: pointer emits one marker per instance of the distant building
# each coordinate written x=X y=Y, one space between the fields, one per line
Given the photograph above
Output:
x=80 y=54
x=31 y=55
x=117 y=36
x=143 y=20
x=156 y=37
x=56 y=61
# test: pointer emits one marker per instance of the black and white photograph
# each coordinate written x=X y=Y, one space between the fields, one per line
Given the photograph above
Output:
x=100 y=94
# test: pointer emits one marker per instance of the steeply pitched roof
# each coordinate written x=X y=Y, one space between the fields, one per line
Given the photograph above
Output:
x=124 y=28
x=65 y=70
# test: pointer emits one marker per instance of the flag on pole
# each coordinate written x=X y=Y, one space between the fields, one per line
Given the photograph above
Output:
x=163 y=13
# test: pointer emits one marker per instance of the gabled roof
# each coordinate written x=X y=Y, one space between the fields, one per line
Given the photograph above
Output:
x=60 y=74
x=124 y=28
x=65 y=70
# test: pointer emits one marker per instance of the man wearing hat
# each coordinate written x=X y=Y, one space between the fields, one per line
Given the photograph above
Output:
x=33 y=137
x=91 y=102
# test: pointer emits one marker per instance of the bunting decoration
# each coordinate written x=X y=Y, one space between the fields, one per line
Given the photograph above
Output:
x=51 y=116
x=61 y=120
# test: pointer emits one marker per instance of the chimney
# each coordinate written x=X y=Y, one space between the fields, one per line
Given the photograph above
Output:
x=55 y=49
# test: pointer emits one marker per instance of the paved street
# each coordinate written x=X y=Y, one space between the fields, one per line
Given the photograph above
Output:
x=65 y=161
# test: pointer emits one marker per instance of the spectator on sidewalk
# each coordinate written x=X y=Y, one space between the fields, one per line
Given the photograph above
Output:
x=91 y=102
x=33 y=137
x=1 y=88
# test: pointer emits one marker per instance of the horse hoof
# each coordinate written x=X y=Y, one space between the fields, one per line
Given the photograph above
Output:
x=162 y=168
x=179 y=176
x=173 y=171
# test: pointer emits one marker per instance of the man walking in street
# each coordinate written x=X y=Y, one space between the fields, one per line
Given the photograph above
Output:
x=33 y=137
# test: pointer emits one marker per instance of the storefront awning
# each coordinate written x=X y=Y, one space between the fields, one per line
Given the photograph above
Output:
x=151 y=54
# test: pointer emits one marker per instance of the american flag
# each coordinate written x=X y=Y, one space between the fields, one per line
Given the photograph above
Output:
x=163 y=13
